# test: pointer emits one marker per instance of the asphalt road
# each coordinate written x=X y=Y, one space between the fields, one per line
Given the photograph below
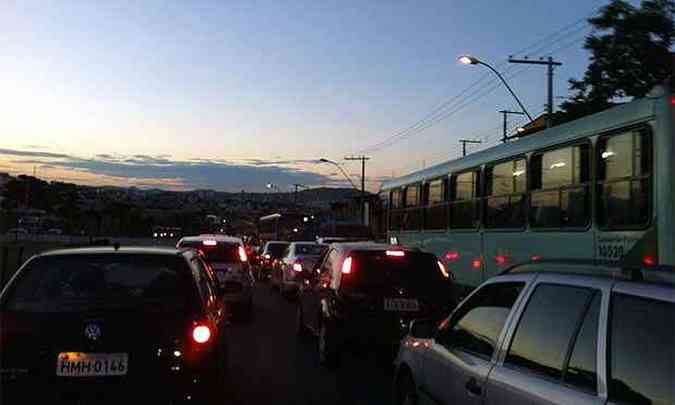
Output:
x=270 y=364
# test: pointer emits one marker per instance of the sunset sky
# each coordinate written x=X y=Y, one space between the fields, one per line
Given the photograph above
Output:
x=233 y=95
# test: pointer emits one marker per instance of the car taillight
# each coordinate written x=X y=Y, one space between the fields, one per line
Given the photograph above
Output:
x=297 y=266
x=201 y=334
x=347 y=266
x=242 y=254
x=476 y=263
x=672 y=100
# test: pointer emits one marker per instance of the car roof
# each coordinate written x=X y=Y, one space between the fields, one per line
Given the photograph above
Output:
x=216 y=237
x=279 y=242
x=101 y=250
x=612 y=271
x=369 y=246
x=308 y=243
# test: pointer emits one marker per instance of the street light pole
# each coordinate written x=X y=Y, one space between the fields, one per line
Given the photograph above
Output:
x=551 y=64
x=322 y=160
x=470 y=60
x=363 y=184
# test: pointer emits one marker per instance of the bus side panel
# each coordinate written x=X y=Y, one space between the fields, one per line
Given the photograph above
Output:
x=503 y=249
x=461 y=253
x=664 y=132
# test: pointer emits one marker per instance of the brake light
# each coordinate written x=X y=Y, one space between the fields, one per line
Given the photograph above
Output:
x=297 y=267
x=209 y=242
x=347 y=266
x=672 y=100
x=267 y=256
x=536 y=258
x=649 y=261
x=242 y=254
x=395 y=253
x=201 y=334
x=500 y=260
x=444 y=272
x=476 y=263
x=451 y=256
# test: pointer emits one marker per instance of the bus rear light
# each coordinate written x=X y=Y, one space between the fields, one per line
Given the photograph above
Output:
x=500 y=260
x=649 y=260
x=476 y=263
x=395 y=253
x=347 y=266
x=451 y=256
x=242 y=254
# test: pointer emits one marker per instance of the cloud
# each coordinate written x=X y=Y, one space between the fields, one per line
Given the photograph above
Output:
x=159 y=171
x=14 y=152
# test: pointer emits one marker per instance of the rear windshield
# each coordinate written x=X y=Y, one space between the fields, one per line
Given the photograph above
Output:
x=221 y=253
x=276 y=250
x=309 y=250
x=416 y=271
x=102 y=281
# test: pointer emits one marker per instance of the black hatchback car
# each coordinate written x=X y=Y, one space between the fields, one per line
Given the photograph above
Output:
x=365 y=294
x=104 y=325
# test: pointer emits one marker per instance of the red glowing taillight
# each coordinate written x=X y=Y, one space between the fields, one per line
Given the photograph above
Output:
x=500 y=260
x=672 y=100
x=347 y=266
x=297 y=267
x=395 y=253
x=536 y=258
x=201 y=334
x=649 y=261
x=476 y=263
x=242 y=254
x=451 y=256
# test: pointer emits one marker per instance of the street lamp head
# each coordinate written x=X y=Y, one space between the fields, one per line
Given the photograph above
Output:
x=270 y=185
x=468 y=60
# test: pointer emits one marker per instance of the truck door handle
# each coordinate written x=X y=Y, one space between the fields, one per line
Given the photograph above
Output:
x=473 y=387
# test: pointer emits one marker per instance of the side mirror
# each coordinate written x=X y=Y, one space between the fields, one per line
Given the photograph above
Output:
x=423 y=328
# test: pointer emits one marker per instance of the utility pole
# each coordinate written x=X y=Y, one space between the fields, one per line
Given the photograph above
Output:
x=551 y=64
x=505 y=136
x=363 y=159
x=464 y=142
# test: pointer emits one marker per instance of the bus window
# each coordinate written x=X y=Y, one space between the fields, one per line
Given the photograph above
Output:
x=412 y=218
x=506 y=184
x=464 y=212
x=624 y=181
x=396 y=212
x=436 y=213
x=559 y=183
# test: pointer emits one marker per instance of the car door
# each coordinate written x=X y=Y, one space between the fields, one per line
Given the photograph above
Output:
x=460 y=357
x=550 y=354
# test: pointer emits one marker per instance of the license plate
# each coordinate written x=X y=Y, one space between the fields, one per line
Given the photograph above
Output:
x=75 y=364
x=401 y=304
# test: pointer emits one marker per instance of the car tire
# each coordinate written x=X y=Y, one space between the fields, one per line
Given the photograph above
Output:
x=327 y=346
x=405 y=394
x=300 y=327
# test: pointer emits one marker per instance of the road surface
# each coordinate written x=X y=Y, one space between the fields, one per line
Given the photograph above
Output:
x=270 y=364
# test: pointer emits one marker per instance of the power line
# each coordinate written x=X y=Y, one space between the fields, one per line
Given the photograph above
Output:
x=440 y=112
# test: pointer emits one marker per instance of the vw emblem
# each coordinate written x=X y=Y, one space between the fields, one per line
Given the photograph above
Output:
x=92 y=332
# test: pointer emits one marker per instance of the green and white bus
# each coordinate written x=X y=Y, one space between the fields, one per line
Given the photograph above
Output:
x=601 y=187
